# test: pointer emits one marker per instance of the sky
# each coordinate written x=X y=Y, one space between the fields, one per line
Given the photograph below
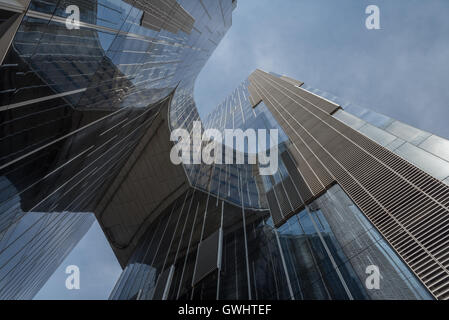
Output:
x=401 y=70
x=98 y=270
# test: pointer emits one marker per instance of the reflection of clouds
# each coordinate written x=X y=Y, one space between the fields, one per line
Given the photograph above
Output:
x=401 y=70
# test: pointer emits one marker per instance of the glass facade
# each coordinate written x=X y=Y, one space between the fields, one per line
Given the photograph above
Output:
x=219 y=241
x=423 y=149
x=74 y=104
x=395 y=196
x=80 y=116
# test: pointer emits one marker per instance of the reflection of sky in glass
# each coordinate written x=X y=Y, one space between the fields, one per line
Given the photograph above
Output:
x=236 y=112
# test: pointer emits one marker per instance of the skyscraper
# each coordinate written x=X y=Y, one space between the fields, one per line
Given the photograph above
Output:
x=78 y=101
x=87 y=115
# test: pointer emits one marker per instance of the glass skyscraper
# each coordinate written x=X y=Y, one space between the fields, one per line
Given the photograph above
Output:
x=86 y=116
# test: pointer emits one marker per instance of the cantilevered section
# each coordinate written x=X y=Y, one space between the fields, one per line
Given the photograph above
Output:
x=145 y=186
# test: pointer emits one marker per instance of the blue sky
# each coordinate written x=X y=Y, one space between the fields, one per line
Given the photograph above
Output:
x=401 y=70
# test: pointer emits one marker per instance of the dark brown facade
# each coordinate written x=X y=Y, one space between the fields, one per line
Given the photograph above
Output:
x=407 y=206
